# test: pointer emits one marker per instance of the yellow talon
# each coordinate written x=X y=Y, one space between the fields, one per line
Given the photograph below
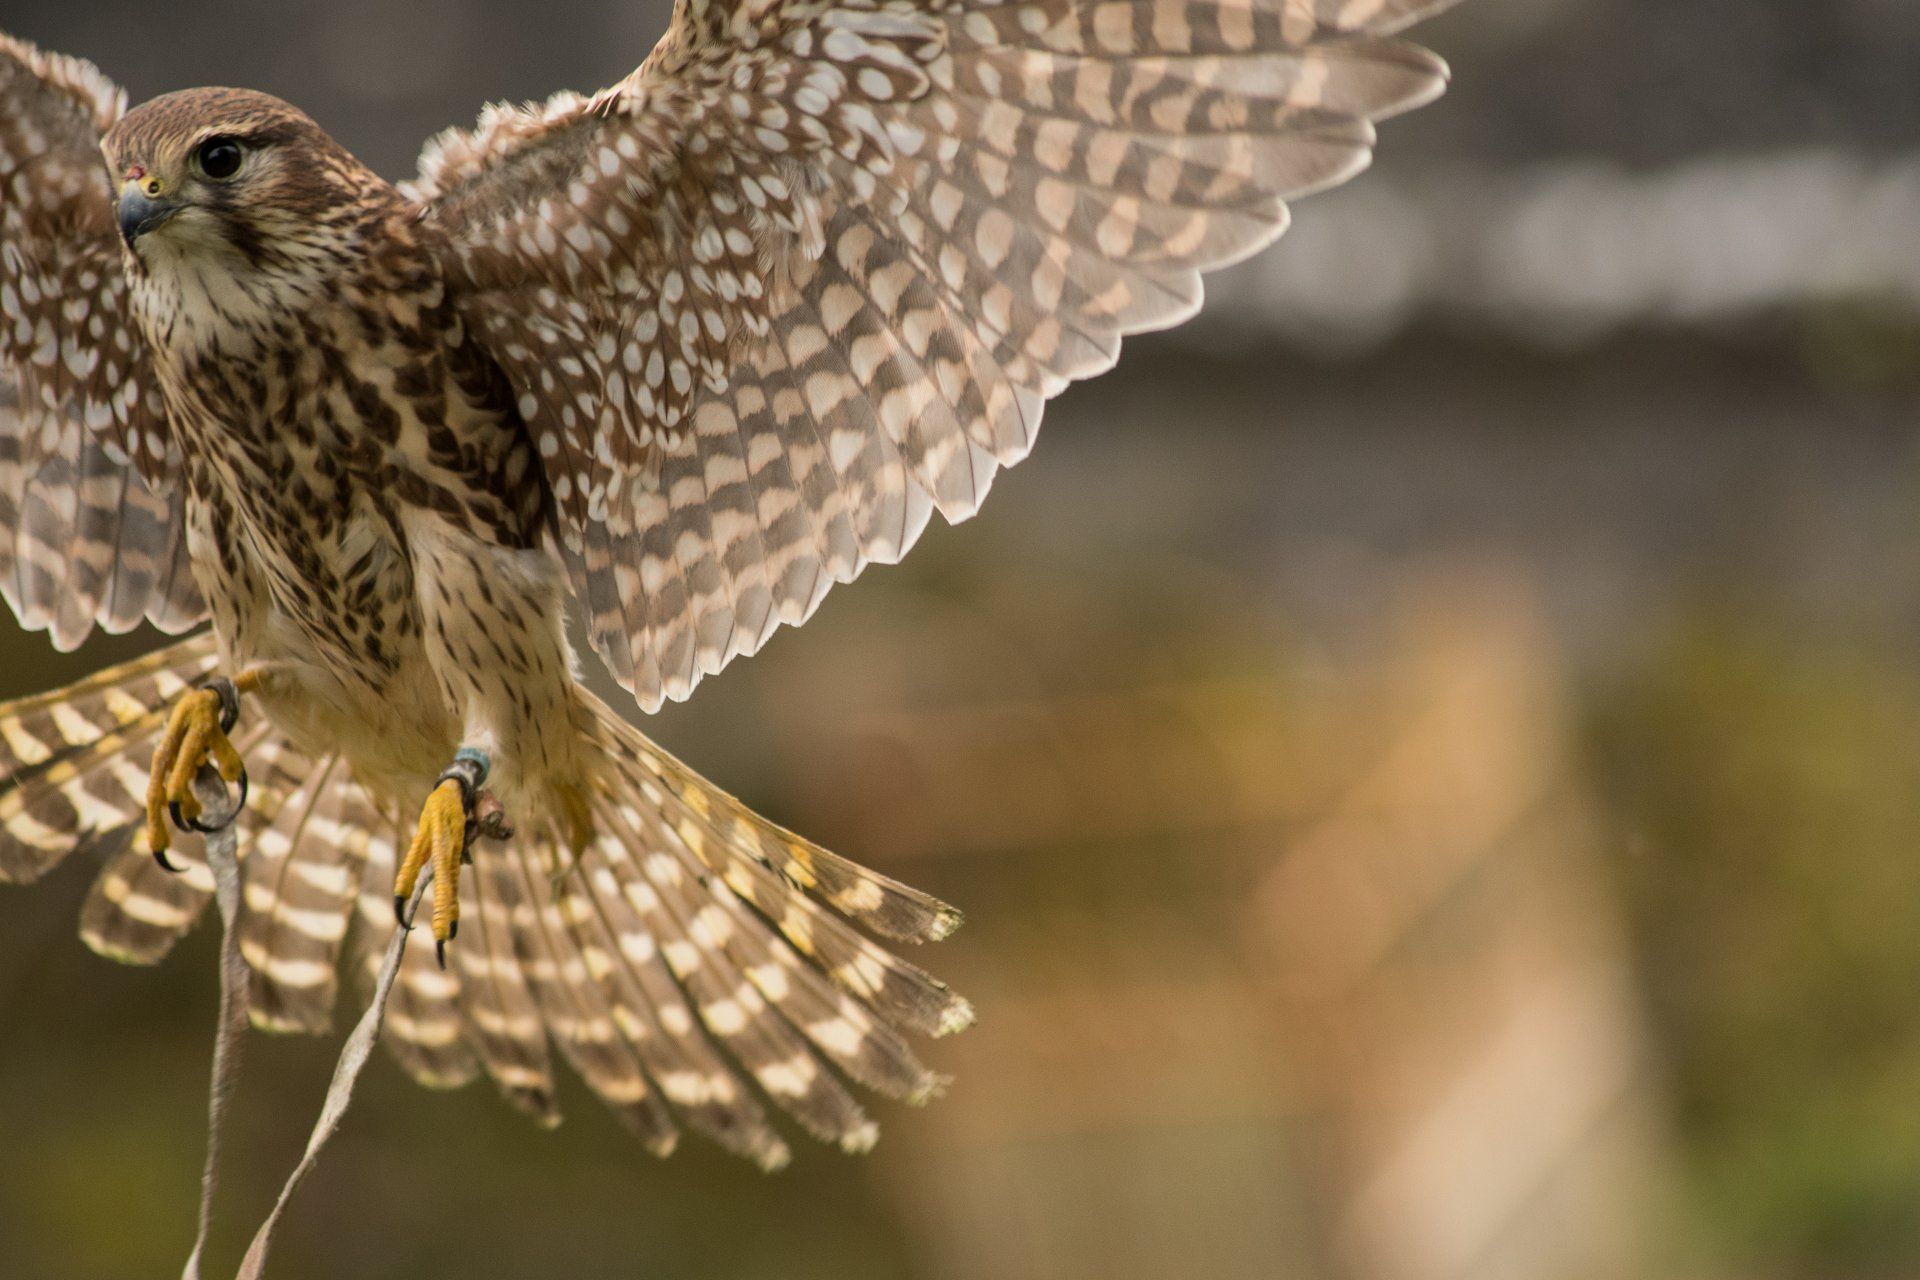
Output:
x=442 y=838
x=194 y=736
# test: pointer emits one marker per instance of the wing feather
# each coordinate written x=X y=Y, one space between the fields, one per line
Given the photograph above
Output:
x=91 y=526
x=811 y=272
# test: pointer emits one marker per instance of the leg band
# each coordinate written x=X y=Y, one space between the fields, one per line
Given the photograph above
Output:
x=229 y=700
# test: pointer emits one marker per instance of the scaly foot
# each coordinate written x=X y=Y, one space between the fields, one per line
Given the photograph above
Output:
x=196 y=734
x=448 y=823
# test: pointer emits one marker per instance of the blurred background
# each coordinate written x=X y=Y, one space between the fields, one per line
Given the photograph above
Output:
x=1430 y=752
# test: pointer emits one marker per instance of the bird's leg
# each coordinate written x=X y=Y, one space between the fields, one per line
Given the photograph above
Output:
x=457 y=810
x=196 y=734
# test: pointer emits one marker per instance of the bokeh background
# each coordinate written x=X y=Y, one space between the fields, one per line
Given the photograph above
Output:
x=1430 y=751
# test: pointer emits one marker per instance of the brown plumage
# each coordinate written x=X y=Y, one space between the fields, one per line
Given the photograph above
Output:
x=691 y=350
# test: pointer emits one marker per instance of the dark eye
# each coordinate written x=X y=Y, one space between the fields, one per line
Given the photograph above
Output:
x=219 y=158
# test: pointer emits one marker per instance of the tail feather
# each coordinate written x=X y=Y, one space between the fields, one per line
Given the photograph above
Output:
x=424 y=1028
x=136 y=910
x=575 y=1011
x=702 y=817
x=884 y=905
x=730 y=1008
x=694 y=964
x=503 y=1021
x=73 y=776
x=81 y=797
x=298 y=907
x=651 y=1011
x=69 y=760
x=904 y=994
x=843 y=1030
x=778 y=978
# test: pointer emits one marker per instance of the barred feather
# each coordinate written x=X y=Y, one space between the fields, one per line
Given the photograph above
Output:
x=680 y=958
x=729 y=1008
x=806 y=277
x=812 y=271
x=617 y=921
x=302 y=876
x=738 y=834
x=424 y=1029
x=503 y=1022
x=73 y=778
x=83 y=538
x=573 y=1005
x=74 y=372
x=904 y=994
x=818 y=265
x=671 y=964
x=136 y=910
x=86 y=538
x=842 y=1029
x=71 y=762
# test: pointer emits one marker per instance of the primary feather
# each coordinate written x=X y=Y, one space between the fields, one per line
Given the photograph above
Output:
x=693 y=348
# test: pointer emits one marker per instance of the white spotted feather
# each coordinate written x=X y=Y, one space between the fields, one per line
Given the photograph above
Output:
x=811 y=272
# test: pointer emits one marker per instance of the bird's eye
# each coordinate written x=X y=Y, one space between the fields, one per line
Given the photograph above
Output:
x=219 y=158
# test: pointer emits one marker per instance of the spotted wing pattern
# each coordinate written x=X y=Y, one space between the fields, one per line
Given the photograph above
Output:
x=811 y=272
x=804 y=278
x=91 y=530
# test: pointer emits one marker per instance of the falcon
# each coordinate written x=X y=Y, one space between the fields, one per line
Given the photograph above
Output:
x=684 y=353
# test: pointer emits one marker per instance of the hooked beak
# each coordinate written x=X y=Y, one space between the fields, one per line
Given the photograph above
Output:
x=140 y=213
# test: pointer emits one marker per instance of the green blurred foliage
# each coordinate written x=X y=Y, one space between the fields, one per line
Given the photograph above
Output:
x=1767 y=780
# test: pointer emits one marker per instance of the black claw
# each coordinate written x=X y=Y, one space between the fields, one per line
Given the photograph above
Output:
x=400 y=911
x=453 y=931
x=166 y=864
x=440 y=952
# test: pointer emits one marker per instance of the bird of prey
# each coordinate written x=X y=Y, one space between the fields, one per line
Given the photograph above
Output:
x=685 y=352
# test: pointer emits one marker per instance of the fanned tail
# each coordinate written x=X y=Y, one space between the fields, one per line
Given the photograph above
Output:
x=72 y=762
x=884 y=905
x=136 y=909
x=428 y=1029
x=694 y=963
x=73 y=776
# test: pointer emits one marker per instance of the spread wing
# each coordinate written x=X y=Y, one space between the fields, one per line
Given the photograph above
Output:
x=811 y=272
x=91 y=530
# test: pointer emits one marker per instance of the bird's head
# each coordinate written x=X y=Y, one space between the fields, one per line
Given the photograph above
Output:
x=238 y=214
x=232 y=179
